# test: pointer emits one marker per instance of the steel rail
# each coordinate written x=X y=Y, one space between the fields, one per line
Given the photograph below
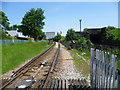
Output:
x=21 y=70
x=52 y=66
x=31 y=61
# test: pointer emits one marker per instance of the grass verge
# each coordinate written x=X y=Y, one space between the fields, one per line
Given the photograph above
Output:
x=117 y=52
x=0 y=59
x=15 y=54
x=81 y=61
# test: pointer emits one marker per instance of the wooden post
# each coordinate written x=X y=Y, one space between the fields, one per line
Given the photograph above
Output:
x=118 y=79
x=91 y=65
x=103 y=70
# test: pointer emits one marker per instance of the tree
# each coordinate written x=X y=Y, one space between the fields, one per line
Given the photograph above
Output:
x=85 y=30
x=42 y=36
x=70 y=36
x=57 y=37
x=14 y=27
x=113 y=33
x=111 y=28
x=4 y=20
x=32 y=23
x=4 y=35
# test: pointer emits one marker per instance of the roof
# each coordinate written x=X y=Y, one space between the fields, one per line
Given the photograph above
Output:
x=13 y=33
x=96 y=30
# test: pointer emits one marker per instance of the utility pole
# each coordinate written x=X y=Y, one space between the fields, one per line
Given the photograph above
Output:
x=80 y=24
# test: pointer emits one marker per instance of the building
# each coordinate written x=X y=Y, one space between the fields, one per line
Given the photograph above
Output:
x=12 y=33
x=19 y=35
x=97 y=35
x=49 y=35
x=78 y=33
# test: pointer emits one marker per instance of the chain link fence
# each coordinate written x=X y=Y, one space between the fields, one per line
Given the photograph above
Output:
x=9 y=41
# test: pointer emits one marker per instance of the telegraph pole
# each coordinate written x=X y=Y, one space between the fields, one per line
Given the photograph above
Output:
x=80 y=24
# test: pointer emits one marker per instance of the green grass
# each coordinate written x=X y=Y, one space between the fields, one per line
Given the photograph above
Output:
x=117 y=52
x=0 y=59
x=15 y=54
x=80 y=64
x=116 y=33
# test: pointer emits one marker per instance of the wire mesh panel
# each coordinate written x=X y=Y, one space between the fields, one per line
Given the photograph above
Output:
x=9 y=41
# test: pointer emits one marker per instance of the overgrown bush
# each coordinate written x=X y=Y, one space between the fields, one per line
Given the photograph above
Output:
x=4 y=35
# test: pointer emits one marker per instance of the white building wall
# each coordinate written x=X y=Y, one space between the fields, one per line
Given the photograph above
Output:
x=50 y=35
x=14 y=33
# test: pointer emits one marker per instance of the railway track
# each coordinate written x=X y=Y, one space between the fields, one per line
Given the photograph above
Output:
x=67 y=84
x=38 y=74
x=36 y=70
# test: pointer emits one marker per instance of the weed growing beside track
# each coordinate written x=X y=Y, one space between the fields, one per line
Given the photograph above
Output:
x=81 y=61
x=15 y=54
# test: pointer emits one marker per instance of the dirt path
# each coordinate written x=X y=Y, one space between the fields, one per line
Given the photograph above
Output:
x=65 y=68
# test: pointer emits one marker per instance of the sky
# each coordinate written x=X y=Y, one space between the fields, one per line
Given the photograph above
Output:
x=61 y=16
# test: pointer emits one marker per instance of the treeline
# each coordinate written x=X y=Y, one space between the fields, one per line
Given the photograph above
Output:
x=72 y=40
x=31 y=25
x=82 y=42
x=104 y=36
x=108 y=38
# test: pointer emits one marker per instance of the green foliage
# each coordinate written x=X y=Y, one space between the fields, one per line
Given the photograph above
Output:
x=0 y=33
x=42 y=36
x=0 y=60
x=32 y=23
x=71 y=35
x=77 y=41
x=106 y=36
x=83 y=44
x=110 y=28
x=14 y=27
x=117 y=52
x=85 y=32
x=115 y=33
x=112 y=33
x=81 y=64
x=62 y=38
x=4 y=20
x=118 y=58
x=57 y=37
x=3 y=35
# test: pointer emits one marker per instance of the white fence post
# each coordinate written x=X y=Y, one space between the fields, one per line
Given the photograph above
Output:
x=118 y=83
x=91 y=65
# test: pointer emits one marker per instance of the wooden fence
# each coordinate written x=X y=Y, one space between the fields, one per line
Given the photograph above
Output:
x=104 y=73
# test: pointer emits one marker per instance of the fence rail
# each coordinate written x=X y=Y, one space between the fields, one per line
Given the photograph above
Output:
x=104 y=73
x=9 y=41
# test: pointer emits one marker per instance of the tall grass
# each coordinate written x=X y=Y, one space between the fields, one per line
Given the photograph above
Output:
x=15 y=54
x=0 y=59
x=80 y=64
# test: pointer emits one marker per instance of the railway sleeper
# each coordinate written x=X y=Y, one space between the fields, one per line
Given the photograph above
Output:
x=66 y=84
x=25 y=83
